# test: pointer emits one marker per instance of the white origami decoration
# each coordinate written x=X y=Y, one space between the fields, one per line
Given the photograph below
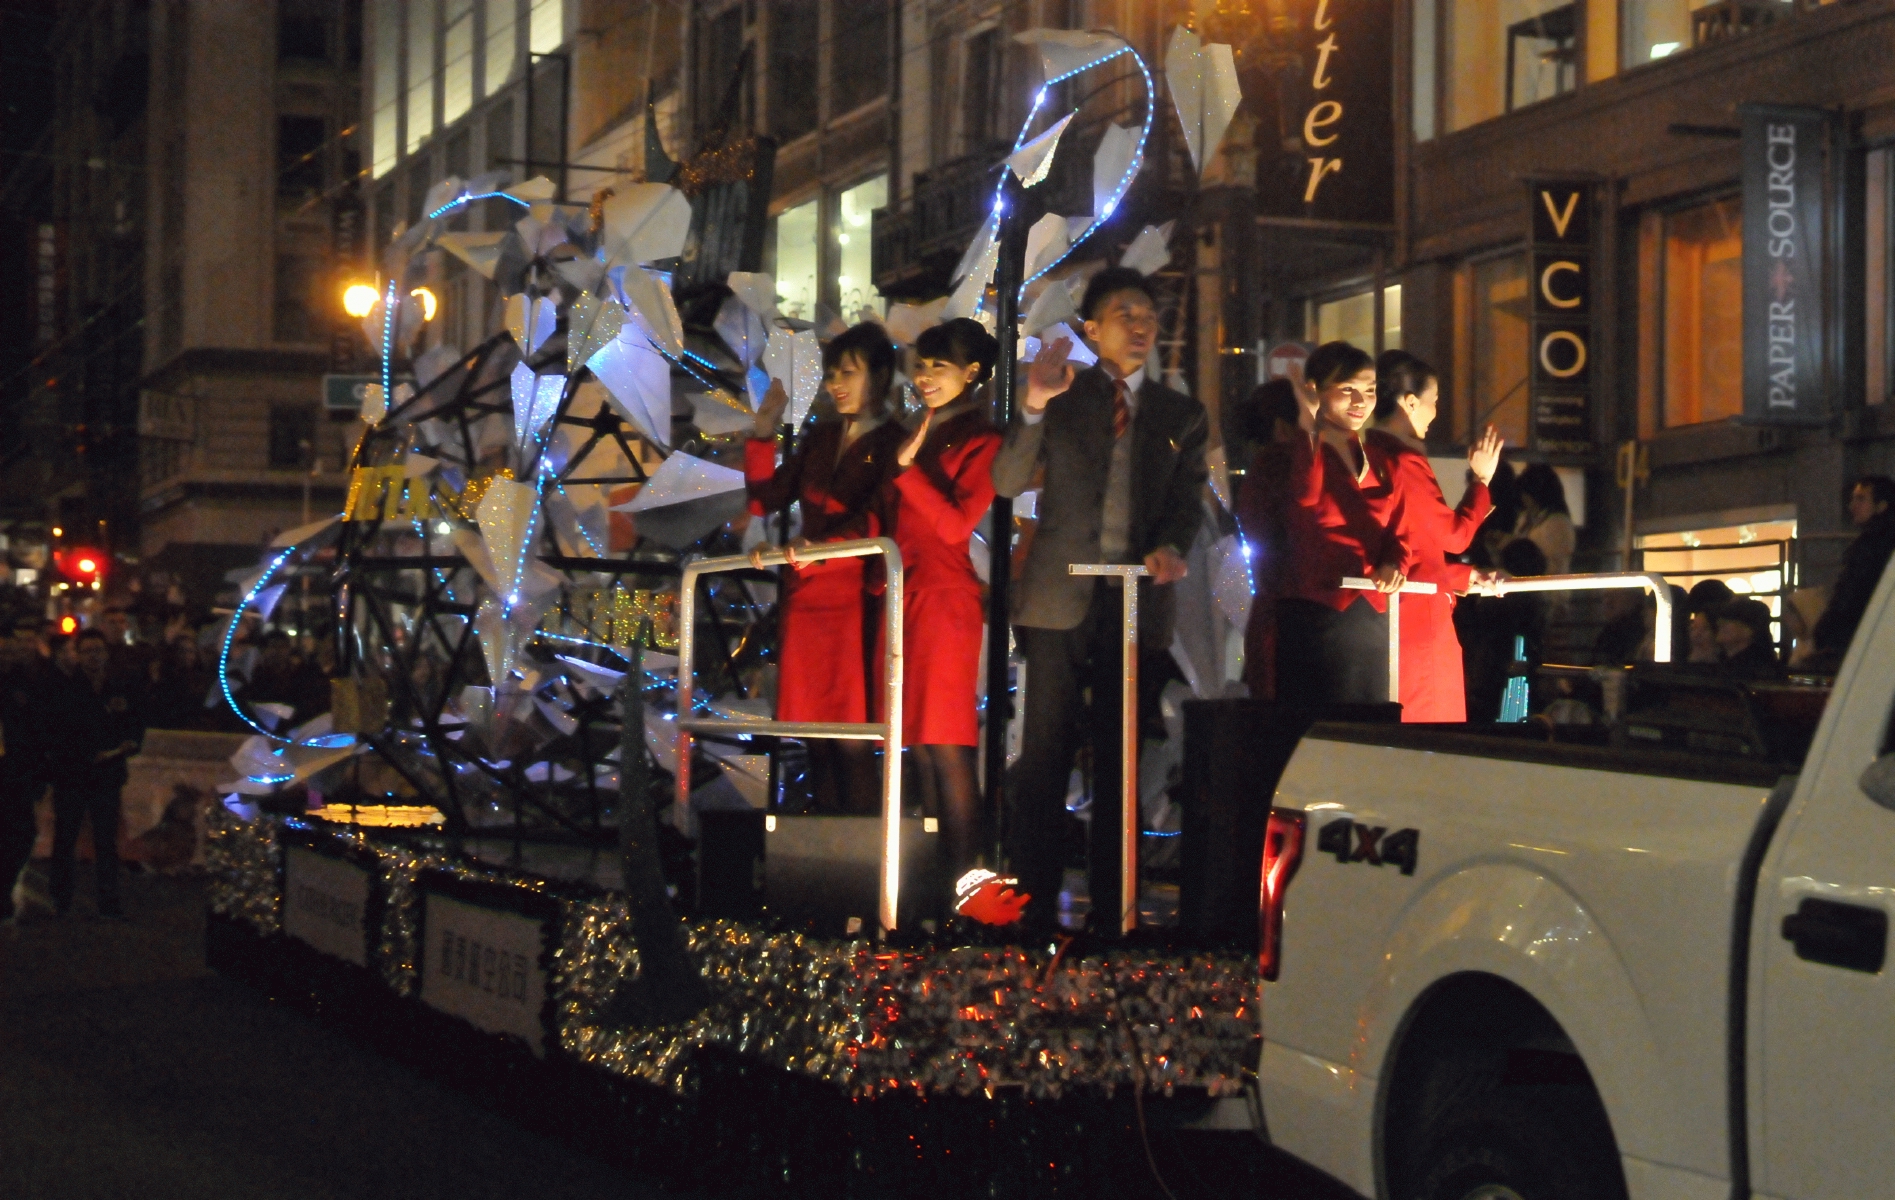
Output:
x=481 y=251
x=796 y=359
x=757 y=291
x=594 y=321
x=1111 y=163
x=649 y=303
x=509 y=517
x=742 y=330
x=1069 y=51
x=535 y=190
x=531 y=321
x=1205 y=91
x=1046 y=243
x=681 y=479
x=1054 y=304
x=1031 y=162
x=639 y=381
x=1150 y=250
x=535 y=401
x=905 y=322
x=645 y=222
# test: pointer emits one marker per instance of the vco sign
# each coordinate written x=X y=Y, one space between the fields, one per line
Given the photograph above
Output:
x=1786 y=161
x=1559 y=392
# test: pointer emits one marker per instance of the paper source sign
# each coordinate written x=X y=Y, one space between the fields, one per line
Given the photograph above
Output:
x=324 y=902
x=1786 y=159
x=483 y=966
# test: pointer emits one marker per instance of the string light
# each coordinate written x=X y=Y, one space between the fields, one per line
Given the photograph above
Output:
x=469 y=198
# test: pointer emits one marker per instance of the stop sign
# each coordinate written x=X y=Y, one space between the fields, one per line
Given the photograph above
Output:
x=1285 y=361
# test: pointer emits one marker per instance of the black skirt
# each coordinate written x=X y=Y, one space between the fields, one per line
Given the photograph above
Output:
x=1325 y=657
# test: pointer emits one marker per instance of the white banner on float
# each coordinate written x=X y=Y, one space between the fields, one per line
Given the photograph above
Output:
x=324 y=900
x=483 y=966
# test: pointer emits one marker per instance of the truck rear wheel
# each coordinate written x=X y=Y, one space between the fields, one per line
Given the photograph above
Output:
x=1515 y=1146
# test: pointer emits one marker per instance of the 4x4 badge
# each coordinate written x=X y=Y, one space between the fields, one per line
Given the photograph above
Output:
x=1351 y=842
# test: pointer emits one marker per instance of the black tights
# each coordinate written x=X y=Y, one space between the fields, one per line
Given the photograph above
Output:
x=945 y=775
x=844 y=776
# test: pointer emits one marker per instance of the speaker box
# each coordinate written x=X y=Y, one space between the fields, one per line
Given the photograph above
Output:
x=822 y=873
x=1234 y=754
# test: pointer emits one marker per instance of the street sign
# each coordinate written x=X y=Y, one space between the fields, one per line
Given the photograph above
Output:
x=344 y=393
x=1285 y=361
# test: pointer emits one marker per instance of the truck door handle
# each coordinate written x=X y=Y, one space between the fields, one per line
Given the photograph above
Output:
x=1849 y=936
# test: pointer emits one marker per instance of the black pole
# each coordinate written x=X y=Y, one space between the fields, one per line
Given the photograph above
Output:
x=1000 y=524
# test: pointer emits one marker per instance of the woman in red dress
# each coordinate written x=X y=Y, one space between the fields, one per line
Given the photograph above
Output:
x=944 y=486
x=1408 y=392
x=830 y=658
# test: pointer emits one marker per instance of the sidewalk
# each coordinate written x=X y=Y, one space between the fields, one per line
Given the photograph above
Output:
x=128 y=1070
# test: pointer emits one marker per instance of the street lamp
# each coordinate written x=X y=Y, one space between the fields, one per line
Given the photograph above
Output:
x=360 y=299
x=428 y=303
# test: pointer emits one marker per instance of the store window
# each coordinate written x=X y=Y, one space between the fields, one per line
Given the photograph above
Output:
x=859 y=74
x=795 y=43
x=1501 y=55
x=420 y=74
x=546 y=26
x=1654 y=29
x=1489 y=379
x=302 y=31
x=457 y=56
x=1701 y=289
x=855 y=284
x=385 y=88
x=797 y=260
x=1351 y=319
x=980 y=89
x=299 y=143
x=1753 y=558
x=503 y=49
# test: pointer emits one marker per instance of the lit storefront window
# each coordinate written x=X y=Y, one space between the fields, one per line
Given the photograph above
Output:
x=1490 y=348
x=797 y=260
x=1352 y=319
x=1501 y=55
x=1702 y=283
x=855 y=287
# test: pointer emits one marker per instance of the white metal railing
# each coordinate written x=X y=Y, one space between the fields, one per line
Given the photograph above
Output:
x=1648 y=581
x=1128 y=575
x=887 y=731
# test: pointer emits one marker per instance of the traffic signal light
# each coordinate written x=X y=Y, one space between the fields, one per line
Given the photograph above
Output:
x=83 y=566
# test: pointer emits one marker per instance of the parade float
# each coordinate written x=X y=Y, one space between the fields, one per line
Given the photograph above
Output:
x=538 y=845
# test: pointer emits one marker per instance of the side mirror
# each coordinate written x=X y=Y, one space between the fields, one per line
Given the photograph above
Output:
x=1878 y=781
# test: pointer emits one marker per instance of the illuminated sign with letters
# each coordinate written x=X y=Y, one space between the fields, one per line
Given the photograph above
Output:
x=1331 y=155
x=1786 y=280
x=1559 y=378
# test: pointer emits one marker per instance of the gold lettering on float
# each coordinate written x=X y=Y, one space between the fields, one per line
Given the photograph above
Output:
x=1560 y=219
x=1327 y=113
x=1319 y=167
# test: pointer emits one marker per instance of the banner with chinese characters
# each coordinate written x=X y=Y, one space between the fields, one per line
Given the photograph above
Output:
x=325 y=903
x=1559 y=374
x=484 y=964
x=1323 y=95
x=1786 y=272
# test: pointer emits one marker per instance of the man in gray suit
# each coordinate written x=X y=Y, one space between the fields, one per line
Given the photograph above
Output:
x=1123 y=462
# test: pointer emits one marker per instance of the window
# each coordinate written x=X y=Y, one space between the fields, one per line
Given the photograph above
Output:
x=794 y=45
x=302 y=31
x=457 y=56
x=297 y=313
x=299 y=143
x=292 y=435
x=1490 y=348
x=1352 y=319
x=858 y=74
x=1653 y=29
x=500 y=135
x=503 y=51
x=720 y=49
x=1506 y=54
x=420 y=74
x=797 y=243
x=384 y=219
x=385 y=88
x=855 y=284
x=980 y=86
x=546 y=26
x=1701 y=285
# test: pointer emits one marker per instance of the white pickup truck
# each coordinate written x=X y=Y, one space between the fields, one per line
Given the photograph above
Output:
x=1504 y=967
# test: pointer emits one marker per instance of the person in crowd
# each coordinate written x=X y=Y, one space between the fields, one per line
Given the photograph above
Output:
x=22 y=756
x=1627 y=625
x=1706 y=597
x=942 y=487
x=94 y=725
x=121 y=638
x=1262 y=503
x=1544 y=519
x=1743 y=637
x=1870 y=498
x=1123 y=463
x=830 y=614
x=1489 y=627
x=1332 y=643
x=1407 y=395
x=181 y=691
x=280 y=677
x=1504 y=492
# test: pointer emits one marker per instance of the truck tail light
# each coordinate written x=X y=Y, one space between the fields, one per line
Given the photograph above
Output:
x=1282 y=853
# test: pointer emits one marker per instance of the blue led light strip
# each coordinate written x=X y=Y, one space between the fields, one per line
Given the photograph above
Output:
x=230 y=636
x=468 y=198
x=388 y=349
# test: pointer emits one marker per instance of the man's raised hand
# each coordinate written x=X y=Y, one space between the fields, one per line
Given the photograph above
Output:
x=1048 y=374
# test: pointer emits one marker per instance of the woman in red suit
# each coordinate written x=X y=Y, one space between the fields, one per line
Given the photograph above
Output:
x=1332 y=643
x=1407 y=394
x=830 y=659
x=944 y=486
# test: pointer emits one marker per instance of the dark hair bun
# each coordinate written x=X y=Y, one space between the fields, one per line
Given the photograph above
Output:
x=963 y=342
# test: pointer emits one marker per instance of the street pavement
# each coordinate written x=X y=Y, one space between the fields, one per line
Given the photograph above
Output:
x=128 y=1070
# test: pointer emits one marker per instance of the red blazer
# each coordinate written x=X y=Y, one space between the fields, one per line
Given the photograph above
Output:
x=1427 y=527
x=1335 y=527
x=1263 y=504
x=842 y=496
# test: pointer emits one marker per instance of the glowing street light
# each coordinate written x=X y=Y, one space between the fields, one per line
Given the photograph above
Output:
x=360 y=299
x=428 y=303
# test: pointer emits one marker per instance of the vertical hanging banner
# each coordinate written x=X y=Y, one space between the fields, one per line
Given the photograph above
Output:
x=1331 y=156
x=1786 y=272
x=1559 y=378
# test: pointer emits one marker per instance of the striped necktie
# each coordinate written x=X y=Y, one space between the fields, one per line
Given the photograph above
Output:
x=1121 y=409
